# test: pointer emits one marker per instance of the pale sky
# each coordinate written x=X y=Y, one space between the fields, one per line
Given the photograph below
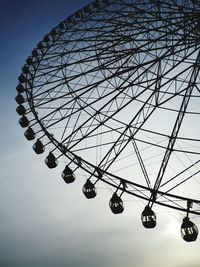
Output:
x=43 y=221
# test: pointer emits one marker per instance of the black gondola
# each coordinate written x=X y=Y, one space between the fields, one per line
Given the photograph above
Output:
x=89 y=189
x=51 y=161
x=29 y=60
x=54 y=32
x=116 y=204
x=148 y=218
x=68 y=175
x=21 y=110
x=40 y=45
x=62 y=25
x=29 y=134
x=24 y=122
x=19 y=99
x=34 y=52
x=20 y=88
x=38 y=147
x=189 y=230
x=25 y=69
x=22 y=78
x=70 y=19
x=46 y=39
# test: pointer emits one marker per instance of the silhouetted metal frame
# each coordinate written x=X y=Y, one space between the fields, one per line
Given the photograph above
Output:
x=106 y=176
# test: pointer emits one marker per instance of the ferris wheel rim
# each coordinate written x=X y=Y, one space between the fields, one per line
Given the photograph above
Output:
x=30 y=98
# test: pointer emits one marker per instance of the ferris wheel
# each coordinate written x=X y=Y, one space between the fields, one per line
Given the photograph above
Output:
x=113 y=91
